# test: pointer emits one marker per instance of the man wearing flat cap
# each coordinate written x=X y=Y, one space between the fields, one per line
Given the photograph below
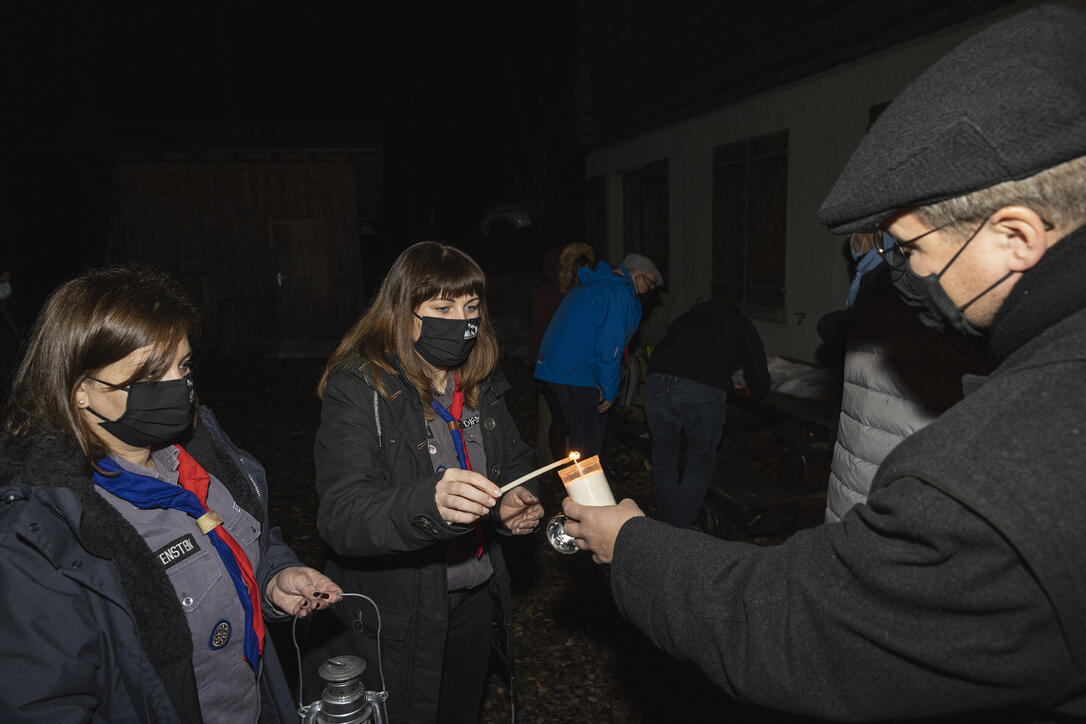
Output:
x=960 y=586
x=580 y=357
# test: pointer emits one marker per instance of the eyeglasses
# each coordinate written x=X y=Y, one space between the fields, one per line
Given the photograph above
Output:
x=896 y=253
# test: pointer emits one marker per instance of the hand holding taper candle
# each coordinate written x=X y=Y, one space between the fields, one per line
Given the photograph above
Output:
x=572 y=457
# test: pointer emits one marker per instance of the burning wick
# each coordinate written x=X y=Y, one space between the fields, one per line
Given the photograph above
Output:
x=573 y=456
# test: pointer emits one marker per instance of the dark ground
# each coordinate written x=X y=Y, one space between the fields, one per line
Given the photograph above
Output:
x=576 y=659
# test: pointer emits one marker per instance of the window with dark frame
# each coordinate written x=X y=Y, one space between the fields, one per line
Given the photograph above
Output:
x=644 y=210
x=750 y=203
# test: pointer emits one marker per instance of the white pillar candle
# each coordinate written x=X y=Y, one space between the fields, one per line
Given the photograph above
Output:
x=590 y=489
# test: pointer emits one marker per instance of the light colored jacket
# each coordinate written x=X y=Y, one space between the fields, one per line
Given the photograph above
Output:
x=899 y=376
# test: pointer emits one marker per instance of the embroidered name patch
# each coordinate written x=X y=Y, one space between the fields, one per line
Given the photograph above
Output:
x=177 y=550
x=220 y=635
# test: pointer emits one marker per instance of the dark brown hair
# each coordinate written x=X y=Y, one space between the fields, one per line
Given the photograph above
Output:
x=385 y=333
x=86 y=324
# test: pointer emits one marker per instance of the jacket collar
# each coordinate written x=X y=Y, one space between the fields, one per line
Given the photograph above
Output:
x=1047 y=293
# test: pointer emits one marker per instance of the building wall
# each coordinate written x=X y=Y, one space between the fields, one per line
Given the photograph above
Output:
x=826 y=115
x=269 y=244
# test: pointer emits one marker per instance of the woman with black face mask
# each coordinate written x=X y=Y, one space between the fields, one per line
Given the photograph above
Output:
x=414 y=442
x=138 y=565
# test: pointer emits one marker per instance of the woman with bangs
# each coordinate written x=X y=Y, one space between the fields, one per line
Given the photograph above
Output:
x=136 y=558
x=415 y=440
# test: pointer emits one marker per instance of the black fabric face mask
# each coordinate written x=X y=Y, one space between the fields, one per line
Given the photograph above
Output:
x=934 y=308
x=926 y=294
x=446 y=343
x=156 y=412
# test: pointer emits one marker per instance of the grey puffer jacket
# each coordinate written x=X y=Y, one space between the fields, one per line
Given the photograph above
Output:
x=92 y=627
x=375 y=481
x=898 y=376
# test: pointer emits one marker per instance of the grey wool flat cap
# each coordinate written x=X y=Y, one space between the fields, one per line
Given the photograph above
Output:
x=640 y=262
x=1005 y=104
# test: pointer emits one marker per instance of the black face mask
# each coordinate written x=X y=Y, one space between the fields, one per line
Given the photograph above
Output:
x=156 y=412
x=926 y=294
x=446 y=343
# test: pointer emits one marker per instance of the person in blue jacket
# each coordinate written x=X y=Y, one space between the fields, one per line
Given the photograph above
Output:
x=580 y=357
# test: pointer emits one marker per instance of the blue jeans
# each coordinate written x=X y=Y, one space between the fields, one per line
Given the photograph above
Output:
x=676 y=407
x=585 y=423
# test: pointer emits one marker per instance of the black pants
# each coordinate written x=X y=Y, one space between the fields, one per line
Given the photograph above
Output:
x=467 y=655
x=587 y=425
x=557 y=433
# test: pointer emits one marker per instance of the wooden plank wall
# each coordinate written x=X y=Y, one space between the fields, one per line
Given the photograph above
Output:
x=212 y=221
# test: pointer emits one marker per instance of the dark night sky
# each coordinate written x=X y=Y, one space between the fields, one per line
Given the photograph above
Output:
x=457 y=86
x=471 y=97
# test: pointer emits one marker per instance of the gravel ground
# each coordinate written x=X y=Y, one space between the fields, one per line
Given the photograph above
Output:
x=576 y=659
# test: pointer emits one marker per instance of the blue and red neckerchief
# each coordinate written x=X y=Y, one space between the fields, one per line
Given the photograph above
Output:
x=190 y=497
x=451 y=417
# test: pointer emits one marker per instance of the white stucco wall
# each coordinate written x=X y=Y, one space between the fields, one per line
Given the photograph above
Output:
x=826 y=115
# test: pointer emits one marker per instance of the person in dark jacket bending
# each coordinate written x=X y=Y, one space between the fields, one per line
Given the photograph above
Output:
x=690 y=372
x=137 y=563
x=958 y=589
x=415 y=438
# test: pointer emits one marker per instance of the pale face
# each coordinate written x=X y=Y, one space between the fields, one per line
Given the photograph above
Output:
x=465 y=307
x=110 y=401
x=976 y=268
x=642 y=282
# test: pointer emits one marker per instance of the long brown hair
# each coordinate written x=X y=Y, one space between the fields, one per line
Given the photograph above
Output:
x=385 y=333
x=86 y=324
x=573 y=255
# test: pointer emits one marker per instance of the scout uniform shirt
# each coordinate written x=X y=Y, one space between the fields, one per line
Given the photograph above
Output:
x=224 y=679
x=465 y=568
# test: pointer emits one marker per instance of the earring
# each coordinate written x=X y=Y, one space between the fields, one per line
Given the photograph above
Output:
x=82 y=403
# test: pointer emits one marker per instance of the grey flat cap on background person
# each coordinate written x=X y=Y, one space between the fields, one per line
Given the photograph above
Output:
x=640 y=262
x=1004 y=105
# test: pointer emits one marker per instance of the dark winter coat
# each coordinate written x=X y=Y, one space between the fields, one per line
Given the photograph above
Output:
x=959 y=587
x=708 y=343
x=92 y=627
x=375 y=481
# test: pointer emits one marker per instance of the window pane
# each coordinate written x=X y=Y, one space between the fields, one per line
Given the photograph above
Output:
x=729 y=231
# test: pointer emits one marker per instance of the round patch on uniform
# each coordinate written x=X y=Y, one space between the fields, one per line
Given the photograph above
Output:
x=220 y=635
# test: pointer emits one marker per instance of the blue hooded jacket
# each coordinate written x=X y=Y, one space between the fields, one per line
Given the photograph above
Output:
x=584 y=341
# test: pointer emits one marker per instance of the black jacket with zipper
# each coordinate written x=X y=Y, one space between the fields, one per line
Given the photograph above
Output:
x=375 y=481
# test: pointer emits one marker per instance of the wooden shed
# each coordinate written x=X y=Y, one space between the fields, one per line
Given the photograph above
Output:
x=265 y=231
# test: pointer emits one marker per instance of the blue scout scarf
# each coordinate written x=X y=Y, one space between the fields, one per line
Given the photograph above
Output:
x=452 y=419
x=190 y=497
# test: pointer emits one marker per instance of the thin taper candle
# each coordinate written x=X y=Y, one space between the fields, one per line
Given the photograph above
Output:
x=572 y=457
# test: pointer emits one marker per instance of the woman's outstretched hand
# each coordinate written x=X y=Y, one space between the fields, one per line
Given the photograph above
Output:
x=298 y=590
x=463 y=496
x=520 y=511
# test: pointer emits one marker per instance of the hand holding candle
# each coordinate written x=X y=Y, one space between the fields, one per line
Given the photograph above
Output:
x=586 y=485
x=572 y=457
x=595 y=528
